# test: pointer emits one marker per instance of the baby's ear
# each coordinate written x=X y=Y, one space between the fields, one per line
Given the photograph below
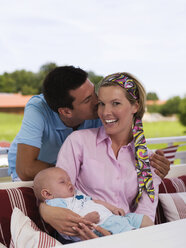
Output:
x=46 y=194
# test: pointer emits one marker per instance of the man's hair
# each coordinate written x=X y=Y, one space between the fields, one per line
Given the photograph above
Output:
x=59 y=82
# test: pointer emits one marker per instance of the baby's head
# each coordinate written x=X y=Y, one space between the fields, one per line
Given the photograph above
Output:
x=52 y=183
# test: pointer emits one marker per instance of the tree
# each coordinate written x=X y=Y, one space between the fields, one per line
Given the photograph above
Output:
x=95 y=79
x=182 y=109
x=152 y=96
x=171 y=106
x=46 y=68
x=7 y=84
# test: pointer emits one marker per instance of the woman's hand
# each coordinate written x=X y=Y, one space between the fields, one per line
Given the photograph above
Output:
x=62 y=219
x=160 y=163
x=85 y=233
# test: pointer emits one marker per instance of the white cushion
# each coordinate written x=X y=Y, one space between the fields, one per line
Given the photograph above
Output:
x=174 y=205
x=24 y=233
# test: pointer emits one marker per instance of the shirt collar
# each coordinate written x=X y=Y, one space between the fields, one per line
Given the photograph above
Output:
x=58 y=122
x=103 y=136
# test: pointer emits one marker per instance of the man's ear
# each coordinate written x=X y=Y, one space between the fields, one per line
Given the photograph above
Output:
x=46 y=194
x=66 y=112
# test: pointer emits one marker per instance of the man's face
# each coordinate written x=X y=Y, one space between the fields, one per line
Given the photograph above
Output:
x=85 y=103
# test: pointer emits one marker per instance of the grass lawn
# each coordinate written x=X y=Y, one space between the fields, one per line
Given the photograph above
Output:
x=9 y=126
x=164 y=129
x=11 y=123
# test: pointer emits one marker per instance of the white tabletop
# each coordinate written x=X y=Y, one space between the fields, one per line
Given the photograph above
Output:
x=168 y=235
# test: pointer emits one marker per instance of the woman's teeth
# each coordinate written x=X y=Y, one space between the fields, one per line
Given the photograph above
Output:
x=110 y=121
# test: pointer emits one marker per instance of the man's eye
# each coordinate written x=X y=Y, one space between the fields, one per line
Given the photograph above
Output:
x=87 y=100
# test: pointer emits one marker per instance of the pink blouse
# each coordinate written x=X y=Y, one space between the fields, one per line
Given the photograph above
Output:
x=87 y=156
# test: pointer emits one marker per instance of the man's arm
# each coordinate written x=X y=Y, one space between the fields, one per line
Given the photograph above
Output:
x=27 y=163
x=160 y=163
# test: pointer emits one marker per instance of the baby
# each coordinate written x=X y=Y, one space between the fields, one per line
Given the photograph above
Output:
x=53 y=185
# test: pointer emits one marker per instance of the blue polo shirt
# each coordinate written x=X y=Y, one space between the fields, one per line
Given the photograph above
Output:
x=42 y=128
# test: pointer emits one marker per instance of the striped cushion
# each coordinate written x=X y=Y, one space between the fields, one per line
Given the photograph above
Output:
x=174 y=205
x=26 y=234
x=24 y=199
x=169 y=185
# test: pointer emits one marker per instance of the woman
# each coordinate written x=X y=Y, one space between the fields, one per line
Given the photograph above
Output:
x=111 y=162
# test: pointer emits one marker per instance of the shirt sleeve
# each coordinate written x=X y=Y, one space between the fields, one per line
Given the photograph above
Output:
x=70 y=156
x=56 y=202
x=146 y=206
x=32 y=127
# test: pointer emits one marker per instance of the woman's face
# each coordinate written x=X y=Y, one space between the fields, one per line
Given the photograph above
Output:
x=115 y=111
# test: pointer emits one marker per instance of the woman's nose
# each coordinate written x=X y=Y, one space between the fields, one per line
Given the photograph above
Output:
x=106 y=110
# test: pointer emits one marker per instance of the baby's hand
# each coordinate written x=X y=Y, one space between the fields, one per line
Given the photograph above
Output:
x=92 y=217
x=118 y=211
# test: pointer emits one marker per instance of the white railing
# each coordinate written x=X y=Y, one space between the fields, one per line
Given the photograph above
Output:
x=170 y=141
x=4 y=161
x=163 y=140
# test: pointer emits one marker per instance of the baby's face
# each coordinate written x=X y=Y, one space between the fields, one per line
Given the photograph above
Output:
x=61 y=186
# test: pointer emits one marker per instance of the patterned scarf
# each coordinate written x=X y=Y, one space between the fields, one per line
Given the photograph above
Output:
x=141 y=155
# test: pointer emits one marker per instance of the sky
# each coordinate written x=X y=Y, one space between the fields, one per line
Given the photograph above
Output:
x=144 y=37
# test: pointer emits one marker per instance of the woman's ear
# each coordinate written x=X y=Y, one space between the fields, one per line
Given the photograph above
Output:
x=46 y=194
x=135 y=107
x=66 y=112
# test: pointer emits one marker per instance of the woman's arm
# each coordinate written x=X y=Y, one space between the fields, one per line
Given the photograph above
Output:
x=86 y=233
x=62 y=219
x=146 y=206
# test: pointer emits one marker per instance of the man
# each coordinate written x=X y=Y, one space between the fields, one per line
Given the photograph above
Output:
x=69 y=103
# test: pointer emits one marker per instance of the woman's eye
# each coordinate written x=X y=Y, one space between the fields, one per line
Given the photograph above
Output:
x=116 y=103
x=100 y=104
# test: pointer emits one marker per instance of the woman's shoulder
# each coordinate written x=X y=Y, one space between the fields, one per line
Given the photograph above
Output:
x=83 y=137
x=86 y=133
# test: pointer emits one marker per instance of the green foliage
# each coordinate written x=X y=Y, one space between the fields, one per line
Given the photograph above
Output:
x=182 y=109
x=95 y=79
x=22 y=81
x=46 y=68
x=152 y=96
x=29 y=83
x=154 y=108
x=171 y=106
x=7 y=84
